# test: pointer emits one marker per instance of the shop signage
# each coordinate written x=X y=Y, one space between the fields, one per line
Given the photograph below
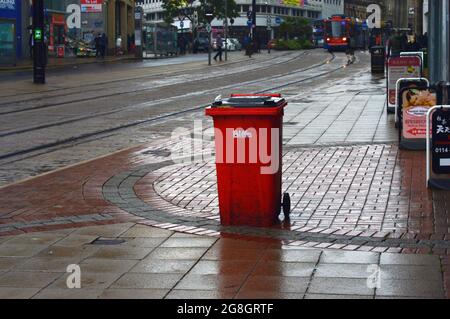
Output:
x=415 y=104
x=91 y=6
x=401 y=67
x=441 y=141
x=374 y=18
x=8 y=4
x=73 y=21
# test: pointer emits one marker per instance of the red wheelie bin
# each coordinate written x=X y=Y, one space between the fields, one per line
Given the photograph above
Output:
x=248 y=141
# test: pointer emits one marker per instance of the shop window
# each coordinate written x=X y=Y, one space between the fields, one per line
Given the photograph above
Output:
x=7 y=45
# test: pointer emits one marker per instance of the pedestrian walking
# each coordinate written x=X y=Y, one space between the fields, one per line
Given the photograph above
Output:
x=257 y=43
x=119 y=45
x=248 y=45
x=350 y=52
x=103 y=45
x=182 y=44
x=219 y=44
x=97 y=46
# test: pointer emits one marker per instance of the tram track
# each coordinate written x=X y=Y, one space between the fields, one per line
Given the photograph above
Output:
x=98 y=87
x=36 y=150
x=154 y=102
x=141 y=77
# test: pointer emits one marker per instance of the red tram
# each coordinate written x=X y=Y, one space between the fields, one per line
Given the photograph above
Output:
x=342 y=33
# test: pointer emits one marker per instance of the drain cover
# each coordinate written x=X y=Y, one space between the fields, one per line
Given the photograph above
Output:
x=158 y=152
x=107 y=242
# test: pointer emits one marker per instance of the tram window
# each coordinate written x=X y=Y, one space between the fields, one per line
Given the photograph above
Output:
x=336 y=28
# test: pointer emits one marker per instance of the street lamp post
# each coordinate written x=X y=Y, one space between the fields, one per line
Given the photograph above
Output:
x=253 y=27
x=209 y=14
x=269 y=26
x=39 y=47
x=226 y=30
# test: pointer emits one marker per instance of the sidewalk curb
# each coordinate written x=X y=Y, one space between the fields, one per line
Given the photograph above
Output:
x=79 y=62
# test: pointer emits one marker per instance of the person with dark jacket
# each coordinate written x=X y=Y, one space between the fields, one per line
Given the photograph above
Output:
x=219 y=44
x=414 y=45
x=103 y=43
x=97 y=45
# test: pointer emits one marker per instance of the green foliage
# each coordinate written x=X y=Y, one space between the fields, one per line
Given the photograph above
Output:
x=172 y=9
x=296 y=27
x=299 y=44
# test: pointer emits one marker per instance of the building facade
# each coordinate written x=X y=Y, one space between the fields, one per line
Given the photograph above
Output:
x=404 y=14
x=120 y=23
x=358 y=8
x=68 y=24
x=329 y=7
x=11 y=37
x=269 y=14
x=399 y=14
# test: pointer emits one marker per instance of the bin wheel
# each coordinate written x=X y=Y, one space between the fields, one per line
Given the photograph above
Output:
x=286 y=205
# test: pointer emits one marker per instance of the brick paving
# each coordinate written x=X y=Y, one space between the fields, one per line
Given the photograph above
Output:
x=361 y=188
x=356 y=204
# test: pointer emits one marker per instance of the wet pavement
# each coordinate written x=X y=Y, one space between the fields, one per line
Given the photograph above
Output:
x=363 y=223
x=152 y=263
x=80 y=117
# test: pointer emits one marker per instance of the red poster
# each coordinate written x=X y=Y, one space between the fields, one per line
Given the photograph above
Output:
x=415 y=105
x=91 y=6
x=91 y=1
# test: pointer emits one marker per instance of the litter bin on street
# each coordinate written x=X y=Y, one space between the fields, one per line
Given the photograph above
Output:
x=248 y=140
x=377 y=59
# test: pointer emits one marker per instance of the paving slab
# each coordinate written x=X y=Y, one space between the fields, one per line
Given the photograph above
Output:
x=411 y=288
x=164 y=266
x=147 y=281
x=28 y=279
x=275 y=284
x=133 y=294
x=340 y=286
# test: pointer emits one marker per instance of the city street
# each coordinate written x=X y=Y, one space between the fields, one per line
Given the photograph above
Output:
x=88 y=178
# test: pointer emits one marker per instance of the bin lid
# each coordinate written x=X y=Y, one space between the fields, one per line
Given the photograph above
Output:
x=249 y=102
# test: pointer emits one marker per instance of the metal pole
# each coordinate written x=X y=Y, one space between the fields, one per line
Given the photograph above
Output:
x=226 y=30
x=445 y=29
x=209 y=46
x=39 y=45
x=438 y=45
x=253 y=27
x=432 y=40
x=269 y=31
x=428 y=151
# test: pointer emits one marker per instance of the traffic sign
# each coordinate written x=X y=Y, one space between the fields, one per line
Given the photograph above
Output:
x=249 y=23
x=38 y=34
x=208 y=27
x=278 y=20
x=249 y=14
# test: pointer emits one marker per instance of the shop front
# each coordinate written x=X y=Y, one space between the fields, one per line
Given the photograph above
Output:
x=57 y=35
x=10 y=31
x=72 y=26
